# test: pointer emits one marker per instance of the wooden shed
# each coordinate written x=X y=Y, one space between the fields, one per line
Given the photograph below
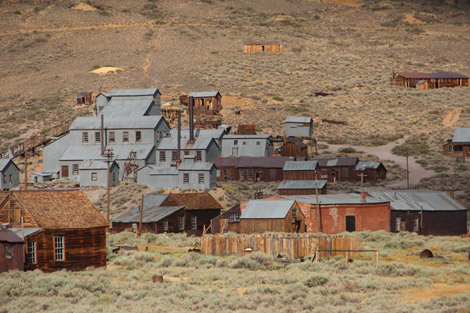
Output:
x=85 y=98
x=295 y=147
x=62 y=228
x=459 y=145
x=370 y=171
x=261 y=216
x=228 y=221
x=262 y=46
x=338 y=168
x=11 y=251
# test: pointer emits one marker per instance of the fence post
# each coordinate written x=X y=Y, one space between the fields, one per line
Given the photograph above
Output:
x=347 y=257
x=377 y=258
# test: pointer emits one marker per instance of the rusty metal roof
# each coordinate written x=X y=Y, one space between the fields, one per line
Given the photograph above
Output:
x=9 y=236
x=253 y=162
x=193 y=201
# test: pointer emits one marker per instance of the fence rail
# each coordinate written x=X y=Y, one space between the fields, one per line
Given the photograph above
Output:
x=295 y=246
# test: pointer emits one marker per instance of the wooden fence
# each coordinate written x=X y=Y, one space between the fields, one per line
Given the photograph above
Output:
x=295 y=246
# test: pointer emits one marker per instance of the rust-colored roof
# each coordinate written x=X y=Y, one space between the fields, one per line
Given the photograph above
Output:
x=193 y=201
x=61 y=209
x=413 y=75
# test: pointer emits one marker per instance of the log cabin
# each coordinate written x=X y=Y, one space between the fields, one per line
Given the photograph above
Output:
x=261 y=46
x=429 y=80
x=62 y=228
x=459 y=145
x=11 y=251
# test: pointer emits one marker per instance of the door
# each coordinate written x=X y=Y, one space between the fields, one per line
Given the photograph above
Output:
x=65 y=171
x=235 y=152
x=350 y=223
x=259 y=176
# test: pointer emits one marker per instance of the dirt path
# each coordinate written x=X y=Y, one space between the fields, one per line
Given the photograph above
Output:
x=417 y=172
x=452 y=117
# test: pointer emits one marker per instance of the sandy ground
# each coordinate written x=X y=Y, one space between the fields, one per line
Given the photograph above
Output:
x=417 y=172
x=107 y=69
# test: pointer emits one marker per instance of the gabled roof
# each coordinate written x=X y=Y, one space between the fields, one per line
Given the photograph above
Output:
x=461 y=135
x=26 y=231
x=417 y=200
x=267 y=209
x=300 y=166
x=361 y=166
x=298 y=119
x=196 y=166
x=171 y=143
x=9 y=236
x=127 y=107
x=93 y=152
x=203 y=94
x=265 y=137
x=253 y=162
x=96 y=165
x=133 y=92
x=60 y=209
x=413 y=75
x=4 y=163
x=339 y=161
x=301 y=184
x=193 y=201
x=123 y=122
x=216 y=133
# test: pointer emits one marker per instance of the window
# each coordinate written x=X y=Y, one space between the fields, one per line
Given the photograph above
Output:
x=74 y=169
x=181 y=222
x=242 y=174
x=31 y=257
x=403 y=225
x=97 y=137
x=174 y=155
x=193 y=222
x=416 y=224
x=450 y=148
x=244 y=143
x=165 y=226
x=198 y=155
x=250 y=174
x=59 y=248
x=186 y=152
x=235 y=142
x=94 y=176
x=225 y=174
x=162 y=156
x=125 y=136
x=112 y=137
x=138 y=136
x=397 y=224
x=258 y=143
x=8 y=252
x=185 y=178
x=234 y=217
x=294 y=213
x=201 y=179
x=85 y=137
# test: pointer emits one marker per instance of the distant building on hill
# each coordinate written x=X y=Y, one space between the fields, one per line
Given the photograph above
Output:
x=459 y=145
x=429 y=80
x=262 y=46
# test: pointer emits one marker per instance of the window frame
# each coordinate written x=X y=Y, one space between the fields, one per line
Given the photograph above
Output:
x=59 y=250
x=294 y=213
x=162 y=156
x=94 y=176
x=193 y=222
x=97 y=137
x=181 y=222
x=416 y=224
x=125 y=136
x=112 y=137
x=8 y=252
x=165 y=226
x=75 y=170
x=138 y=136
x=85 y=137
x=185 y=178
x=200 y=178
x=174 y=156
x=31 y=255
x=397 y=223
x=242 y=174
x=250 y=174
x=198 y=155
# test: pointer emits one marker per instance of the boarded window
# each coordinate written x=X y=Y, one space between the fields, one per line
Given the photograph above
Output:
x=59 y=248
x=193 y=222
x=94 y=176
x=125 y=136
x=8 y=252
x=186 y=178
x=198 y=155
x=397 y=223
x=138 y=136
x=165 y=226
x=250 y=174
x=181 y=222
x=242 y=174
x=201 y=179
x=75 y=169
x=162 y=156
x=85 y=137
x=112 y=137
x=31 y=257
x=97 y=137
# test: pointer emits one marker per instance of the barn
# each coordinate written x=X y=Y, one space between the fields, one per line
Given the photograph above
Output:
x=261 y=216
x=261 y=46
x=11 y=251
x=62 y=228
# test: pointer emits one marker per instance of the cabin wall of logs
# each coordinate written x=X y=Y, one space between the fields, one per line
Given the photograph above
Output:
x=295 y=246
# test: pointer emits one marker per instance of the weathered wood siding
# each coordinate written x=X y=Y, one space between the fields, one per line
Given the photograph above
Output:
x=297 y=192
x=269 y=47
x=264 y=174
x=285 y=225
x=299 y=175
x=203 y=219
x=157 y=227
x=15 y=211
x=17 y=260
x=295 y=246
x=221 y=224
x=436 y=223
x=293 y=149
x=82 y=247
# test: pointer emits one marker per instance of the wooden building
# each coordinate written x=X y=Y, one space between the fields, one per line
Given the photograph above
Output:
x=294 y=146
x=228 y=221
x=253 y=169
x=206 y=103
x=338 y=168
x=62 y=228
x=85 y=98
x=9 y=174
x=261 y=46
x=370 y=171
x=260 y=216
x=459 y=145
x=11 y=251
x=425 y=212
x=246 y=129
x=301 y=126
x=302 y=187
x=155 y=217
x=429 y=80
x=199 y=209
x=300 y=170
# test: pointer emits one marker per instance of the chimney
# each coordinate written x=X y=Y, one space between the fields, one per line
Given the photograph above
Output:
x=363 y=196
x=191 y=119
x=178 y=150
x=102 y=134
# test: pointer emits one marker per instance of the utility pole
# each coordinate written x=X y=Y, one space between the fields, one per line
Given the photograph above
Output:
x=319 y=230
x=108 y=154
x=407 y=169
x=362 y=178
x=141 y=216
x=25 y=167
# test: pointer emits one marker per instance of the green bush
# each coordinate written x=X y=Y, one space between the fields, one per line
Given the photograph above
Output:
x=316 y=280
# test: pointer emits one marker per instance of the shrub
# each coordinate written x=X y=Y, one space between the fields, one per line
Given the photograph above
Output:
x=396 y=269
x=316 y=280
x=166 y=261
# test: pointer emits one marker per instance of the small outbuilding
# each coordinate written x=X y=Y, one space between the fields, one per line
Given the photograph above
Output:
x=262 y=46
x=300 y=170
x=370 y=171
x=85 y=98
x=228 y=221
x=459 y=145
x=94 y=173
x=9 y=173
x=299 y=126
x=11 y=251
x=429 y=80
x=261 y=216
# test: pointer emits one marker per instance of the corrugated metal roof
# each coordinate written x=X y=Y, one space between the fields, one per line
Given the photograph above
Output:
x=93 y=152
x=4 y=163
x=27 y=231
x=461 y=135
x=133 y=92
x=253 y=162
x=203 y=94
x=127 y=107
x=9 y=236
x=216 y=133
x=96 y=165
x=124 y=122
x=415 y=200
x=300 y=166
x=267 y=209
x=361 y=166
x=246 y=137
x=150 y=215
x=196 y=166
x=339 y=161
x=171 y=143
x=194 y=201
x=298 y=119
x=162 y=170
x=447 y=75
x=347 y=198
x=301 y=184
